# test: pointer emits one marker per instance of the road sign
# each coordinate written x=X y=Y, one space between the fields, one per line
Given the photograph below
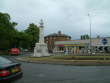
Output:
x=97 y=48
x=108 y=48
x=104 y=41
x=103 y=48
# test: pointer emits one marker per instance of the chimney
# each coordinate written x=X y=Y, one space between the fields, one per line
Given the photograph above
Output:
x=59 y=32
x=98 y=36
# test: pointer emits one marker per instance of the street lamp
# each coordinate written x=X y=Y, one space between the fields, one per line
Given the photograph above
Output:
x=90 y=33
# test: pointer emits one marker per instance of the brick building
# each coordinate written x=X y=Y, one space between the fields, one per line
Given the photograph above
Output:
x=50 y=39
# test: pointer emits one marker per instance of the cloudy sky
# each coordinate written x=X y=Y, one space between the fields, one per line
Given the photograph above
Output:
x=68 y=16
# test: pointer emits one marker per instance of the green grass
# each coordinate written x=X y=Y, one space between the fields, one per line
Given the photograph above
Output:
x=82 y=56
x=58 y=58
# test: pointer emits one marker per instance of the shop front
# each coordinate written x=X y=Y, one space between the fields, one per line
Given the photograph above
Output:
x=71 y=48
x=81 y=46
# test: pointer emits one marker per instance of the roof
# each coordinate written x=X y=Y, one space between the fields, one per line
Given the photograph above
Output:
x=55 y=35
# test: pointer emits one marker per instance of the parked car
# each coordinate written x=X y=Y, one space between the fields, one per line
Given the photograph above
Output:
x=101 y=51
x=93 y=52
x=15 y=51
x=9 y=71
x=26 y=50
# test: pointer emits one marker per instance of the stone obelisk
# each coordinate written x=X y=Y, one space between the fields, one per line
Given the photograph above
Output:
x=40 y=48
x=41 y=35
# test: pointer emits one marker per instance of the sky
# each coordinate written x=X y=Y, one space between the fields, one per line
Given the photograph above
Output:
x=68 y=16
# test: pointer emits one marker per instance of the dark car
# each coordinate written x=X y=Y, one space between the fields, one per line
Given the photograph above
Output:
x=9 y=71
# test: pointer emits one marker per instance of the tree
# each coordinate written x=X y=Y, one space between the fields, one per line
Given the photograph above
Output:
x=6 y=31
x=14 y=24
x=84 y=36
x=25 y=39
x=11 y=37
x=33 y=30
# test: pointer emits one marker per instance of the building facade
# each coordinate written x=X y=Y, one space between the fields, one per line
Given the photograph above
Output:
x=76 y=46
x=52 y=38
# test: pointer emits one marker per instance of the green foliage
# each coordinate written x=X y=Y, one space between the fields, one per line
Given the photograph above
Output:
x=11 y=37
x=25 y=39
x=81 y=37
x=33 y=30
x=84 y=36
x=6 y=31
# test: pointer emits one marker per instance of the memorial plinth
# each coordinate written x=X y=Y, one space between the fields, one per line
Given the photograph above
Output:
x=40 y=48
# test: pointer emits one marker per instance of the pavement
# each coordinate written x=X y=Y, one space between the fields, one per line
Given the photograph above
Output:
x=65 y=62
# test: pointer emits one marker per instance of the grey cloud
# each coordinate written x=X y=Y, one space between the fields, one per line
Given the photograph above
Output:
x=69 y=16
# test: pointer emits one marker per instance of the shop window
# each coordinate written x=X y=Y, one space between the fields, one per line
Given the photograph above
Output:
x=54 y=37
x=64 y=48
x=47 y=37
x=81 y=47
x=61 y=48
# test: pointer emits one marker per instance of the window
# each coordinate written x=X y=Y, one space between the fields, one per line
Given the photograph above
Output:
x=61 y=48
x=67 y=38
x=47 y=42
x=50 y=47
x=50 y=41
x=54 y=37
x=4 y=60
x=54 y=42
x=47 y=37
x=50 y=37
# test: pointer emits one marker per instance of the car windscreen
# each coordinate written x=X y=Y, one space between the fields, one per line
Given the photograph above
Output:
x=4 y=60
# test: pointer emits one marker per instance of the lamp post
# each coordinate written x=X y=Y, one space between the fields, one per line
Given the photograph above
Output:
x=90 y=32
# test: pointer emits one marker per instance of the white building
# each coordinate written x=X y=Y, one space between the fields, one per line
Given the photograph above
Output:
x=74 y=46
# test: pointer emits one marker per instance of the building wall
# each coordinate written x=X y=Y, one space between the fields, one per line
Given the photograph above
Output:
x=108 y=39
x=86 y=42
x=94 y=42
x=54 y=40
x=98 y=42
x=73 y=41
x=63 y=38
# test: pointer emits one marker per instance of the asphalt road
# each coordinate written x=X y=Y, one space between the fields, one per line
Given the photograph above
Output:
x=45 y=73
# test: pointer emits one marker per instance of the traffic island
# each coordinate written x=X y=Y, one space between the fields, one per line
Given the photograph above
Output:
x=69 y=60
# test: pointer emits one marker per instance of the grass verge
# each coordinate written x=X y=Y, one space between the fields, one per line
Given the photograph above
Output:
x=69 y=58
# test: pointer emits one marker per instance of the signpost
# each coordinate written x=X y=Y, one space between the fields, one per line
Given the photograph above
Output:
x=104 y=41
x=108 y=48
x=98 y=52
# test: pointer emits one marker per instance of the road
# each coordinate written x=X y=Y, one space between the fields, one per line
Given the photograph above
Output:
x=45 y=73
